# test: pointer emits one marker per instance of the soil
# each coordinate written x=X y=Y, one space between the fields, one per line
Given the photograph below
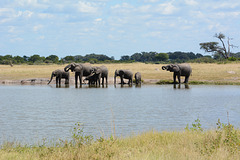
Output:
x=44 y=81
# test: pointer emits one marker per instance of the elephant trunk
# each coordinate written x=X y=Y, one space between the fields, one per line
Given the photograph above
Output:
x=50 y=79
x=164 y=67
x=66 y=69
x=115 y=75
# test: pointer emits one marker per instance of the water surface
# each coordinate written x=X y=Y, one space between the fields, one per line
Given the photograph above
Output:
x=29 y=113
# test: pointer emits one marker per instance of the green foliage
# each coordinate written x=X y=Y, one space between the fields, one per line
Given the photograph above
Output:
x=162 y=56
x=226 y=137
x=52 y=58
x=36 y=59
x=165 y=82
x=232 y=58
x=223 y=51
x=195 y=126
x=78 y=136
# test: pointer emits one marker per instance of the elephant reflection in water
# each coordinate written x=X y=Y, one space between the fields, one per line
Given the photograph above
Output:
x=178 y=86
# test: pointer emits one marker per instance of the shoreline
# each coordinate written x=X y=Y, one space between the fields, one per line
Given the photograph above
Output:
x=44 y=81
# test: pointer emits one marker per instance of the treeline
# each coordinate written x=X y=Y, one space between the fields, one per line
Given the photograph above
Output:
x=145 y=57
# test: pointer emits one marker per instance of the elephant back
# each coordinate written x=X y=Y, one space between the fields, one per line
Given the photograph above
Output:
x=186 y=69
x=104 y=71
x=87 y=69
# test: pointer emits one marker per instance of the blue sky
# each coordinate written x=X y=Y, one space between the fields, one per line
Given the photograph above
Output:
x=114 y=27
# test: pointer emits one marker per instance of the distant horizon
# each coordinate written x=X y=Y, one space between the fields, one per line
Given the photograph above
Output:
x=206 y=54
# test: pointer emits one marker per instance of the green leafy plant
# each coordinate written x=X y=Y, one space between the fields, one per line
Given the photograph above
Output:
x=195 y=126
x=78 y=137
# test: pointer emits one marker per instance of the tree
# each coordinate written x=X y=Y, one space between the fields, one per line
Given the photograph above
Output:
x=214 y=47
x=36 y=58
x=53 y=58
x=125 y=58
x=162 y=56
x=68 y=59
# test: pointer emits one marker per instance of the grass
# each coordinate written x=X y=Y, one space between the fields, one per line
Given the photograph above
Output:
x=191 y=143
x=208 y=73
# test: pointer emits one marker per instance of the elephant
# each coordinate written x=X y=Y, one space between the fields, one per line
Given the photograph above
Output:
x=93 y=79
x=102 y=71
x=126 y=74
x=80 y=71
x=59 y=74
x=179 y=70
x=138 y=78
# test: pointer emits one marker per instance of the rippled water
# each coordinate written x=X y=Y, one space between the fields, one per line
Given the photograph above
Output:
x=33 y=112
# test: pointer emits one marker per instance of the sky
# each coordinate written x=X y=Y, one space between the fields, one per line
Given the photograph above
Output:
x=114 y=27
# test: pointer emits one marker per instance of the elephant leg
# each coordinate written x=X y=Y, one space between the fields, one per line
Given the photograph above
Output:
x=186 y=79
x=57 y=80
x=76 y=79
x=174 y=78
x=179 y=79
x=106 y=80
x=80 y=79
x=66 y=80
x=122 y=80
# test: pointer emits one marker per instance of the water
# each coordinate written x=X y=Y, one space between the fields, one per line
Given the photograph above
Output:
x=30 y=113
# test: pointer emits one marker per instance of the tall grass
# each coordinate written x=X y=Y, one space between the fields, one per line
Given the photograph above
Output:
x=191 y=143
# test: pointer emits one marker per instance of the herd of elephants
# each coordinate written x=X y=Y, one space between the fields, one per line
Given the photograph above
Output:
x=94 y=74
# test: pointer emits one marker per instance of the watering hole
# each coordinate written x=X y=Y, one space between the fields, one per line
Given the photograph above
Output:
x=29 y=113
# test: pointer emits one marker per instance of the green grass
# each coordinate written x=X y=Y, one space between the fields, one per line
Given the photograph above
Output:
x=162 y=82
x=191 y=143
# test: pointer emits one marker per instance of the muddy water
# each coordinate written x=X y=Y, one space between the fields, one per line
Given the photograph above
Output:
x=30 y=113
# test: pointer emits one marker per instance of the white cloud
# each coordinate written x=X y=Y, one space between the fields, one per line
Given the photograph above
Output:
x=191 y=2
x=226 y=5
x=123 y=8
x=156 y=34
x=32 y=3
x=41 y=37
x=11 y=29
x=17 y=39
x=166 y=8
x=145 y=8
x=37 y=27
x=45 y=15
x=87 y=7
x=224 y=15
x=98 y=20
x=27 y=14
x=151 y=1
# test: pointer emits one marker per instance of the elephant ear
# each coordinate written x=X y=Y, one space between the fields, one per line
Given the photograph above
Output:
x=121 y=72
x=77 y=68
x=98 y=71
x=175 y=68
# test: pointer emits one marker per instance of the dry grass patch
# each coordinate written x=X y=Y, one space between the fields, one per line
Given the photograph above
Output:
x=201 y=72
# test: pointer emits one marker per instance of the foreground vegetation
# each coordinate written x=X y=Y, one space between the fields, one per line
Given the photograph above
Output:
x=203 y=73
x=192 y=143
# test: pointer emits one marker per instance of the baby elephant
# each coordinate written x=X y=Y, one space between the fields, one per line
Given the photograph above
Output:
x=138 y=78
x=93 y=79
x=59 y=74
